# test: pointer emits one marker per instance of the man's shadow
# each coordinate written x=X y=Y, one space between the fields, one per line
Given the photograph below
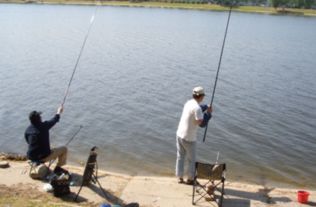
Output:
x=98 y=189
x=244 y=197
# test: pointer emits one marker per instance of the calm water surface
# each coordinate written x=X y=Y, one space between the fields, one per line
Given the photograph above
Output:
x=137 y=70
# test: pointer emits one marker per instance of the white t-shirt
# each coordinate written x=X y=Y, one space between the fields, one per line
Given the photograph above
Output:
x=187 y=128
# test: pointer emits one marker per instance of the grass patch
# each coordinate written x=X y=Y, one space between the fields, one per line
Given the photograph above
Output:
x=26 y=195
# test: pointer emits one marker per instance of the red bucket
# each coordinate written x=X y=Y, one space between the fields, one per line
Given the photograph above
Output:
x=302 y=196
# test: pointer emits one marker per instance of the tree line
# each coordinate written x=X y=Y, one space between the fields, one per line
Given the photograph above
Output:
x=301 y=4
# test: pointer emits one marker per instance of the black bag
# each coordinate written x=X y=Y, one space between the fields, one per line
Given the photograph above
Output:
x=59 y=171
x=60 y=182
x=61 y=187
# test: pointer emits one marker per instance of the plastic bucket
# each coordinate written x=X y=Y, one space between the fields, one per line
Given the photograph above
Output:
x=302 y=196
x=105 y=205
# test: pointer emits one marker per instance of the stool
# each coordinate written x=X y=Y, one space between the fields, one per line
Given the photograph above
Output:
x=38 y=169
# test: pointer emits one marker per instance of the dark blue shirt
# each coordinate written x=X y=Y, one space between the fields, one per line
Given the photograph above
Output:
x=37 y=137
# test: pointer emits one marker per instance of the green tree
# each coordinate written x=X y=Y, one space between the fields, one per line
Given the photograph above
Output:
x=308 y=4
x=279 y=3
x=300 y=3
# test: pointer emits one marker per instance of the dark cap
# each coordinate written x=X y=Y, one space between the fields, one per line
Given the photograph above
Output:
x=35 y=116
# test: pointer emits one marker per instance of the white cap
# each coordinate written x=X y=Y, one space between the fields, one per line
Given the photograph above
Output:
x=198 y=91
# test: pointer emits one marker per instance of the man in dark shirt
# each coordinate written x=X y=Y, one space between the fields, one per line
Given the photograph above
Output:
x=37 y=137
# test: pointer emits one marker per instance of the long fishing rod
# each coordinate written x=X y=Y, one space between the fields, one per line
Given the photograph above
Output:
x=219 y=64
x=80 y=53
x=80 y=127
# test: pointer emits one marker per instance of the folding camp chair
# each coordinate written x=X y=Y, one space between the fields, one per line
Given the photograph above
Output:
x=90 y=173
x=209 y=182
x=39 y=173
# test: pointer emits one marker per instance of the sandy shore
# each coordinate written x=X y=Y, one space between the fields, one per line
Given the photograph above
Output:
x=146 y=191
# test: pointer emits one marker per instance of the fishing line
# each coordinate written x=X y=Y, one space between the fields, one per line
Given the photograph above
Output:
x=80 y=53
x=219 y=64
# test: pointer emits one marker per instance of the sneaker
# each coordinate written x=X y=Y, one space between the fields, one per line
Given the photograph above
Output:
x=180 y=181
x=189 y=182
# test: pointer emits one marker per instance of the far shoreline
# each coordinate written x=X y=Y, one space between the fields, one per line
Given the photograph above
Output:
x=167 y=5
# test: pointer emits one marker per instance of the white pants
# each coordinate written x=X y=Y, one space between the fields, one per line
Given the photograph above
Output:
x=187 y=150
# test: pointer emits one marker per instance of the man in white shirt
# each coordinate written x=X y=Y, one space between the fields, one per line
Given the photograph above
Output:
x=192 y=116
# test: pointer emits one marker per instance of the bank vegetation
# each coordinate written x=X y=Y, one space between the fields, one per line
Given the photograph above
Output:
x=279 y=7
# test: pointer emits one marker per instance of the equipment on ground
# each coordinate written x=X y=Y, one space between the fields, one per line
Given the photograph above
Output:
x=209 y=183
x=90 y=173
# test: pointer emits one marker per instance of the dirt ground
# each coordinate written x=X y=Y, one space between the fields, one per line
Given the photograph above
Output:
x=18 y=189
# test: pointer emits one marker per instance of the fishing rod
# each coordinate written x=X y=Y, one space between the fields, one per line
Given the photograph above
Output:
x=80 y=127
x=80 y=53
x=219 y=64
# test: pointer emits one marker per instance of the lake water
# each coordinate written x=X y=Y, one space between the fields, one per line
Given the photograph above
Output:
x=137 y=70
